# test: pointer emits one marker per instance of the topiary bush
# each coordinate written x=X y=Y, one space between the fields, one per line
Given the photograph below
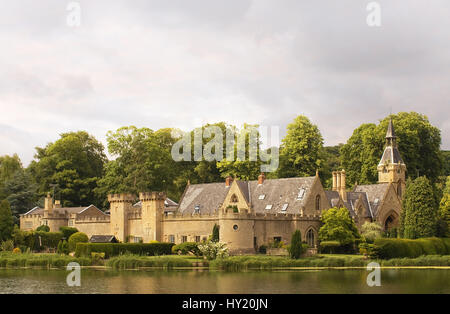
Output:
x=43 y=228
x=296 y=249
x=78 y=237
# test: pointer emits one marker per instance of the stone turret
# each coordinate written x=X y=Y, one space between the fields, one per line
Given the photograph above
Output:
x=120 y=205
x=391 y=168
x=48 y=203
x=152 y=215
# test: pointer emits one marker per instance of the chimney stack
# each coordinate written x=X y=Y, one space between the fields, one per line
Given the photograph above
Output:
x=335 y=181
x=261 y=178
x=48 y=202
x=342 y=189
x=228 y=181
x=57 y=204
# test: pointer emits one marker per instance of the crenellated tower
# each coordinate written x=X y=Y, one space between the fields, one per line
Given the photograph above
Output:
x=120 y=205
x=152 y=215
x=391 y=168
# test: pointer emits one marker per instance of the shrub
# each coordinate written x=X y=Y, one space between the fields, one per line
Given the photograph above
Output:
x=213 y=250
x=78 y=237
x=215 y=234
x=295 y=249
x=67 y=232
x=186 y=248
x=48 y=240
x=397 y=248
x=7 y=246
x=262 y=249
x=43 y=228
x=63 y=247
x=329 y=247
x=114 y=249
x=17 y=250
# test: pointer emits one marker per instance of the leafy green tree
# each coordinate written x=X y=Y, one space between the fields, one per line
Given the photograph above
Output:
x=446 y=160
x=338 y=226
x=371 y=231
x=444 y=212
x=421 y=214
x=215 y=233
x=301 y=151
x=331 y=162
x=143 y=162
x=418 y=142
x=8 y=167
x=75 y=163
x=6 y=221
x=243 y=168
x=67 y=231
x=296 y=248
x=21 y=192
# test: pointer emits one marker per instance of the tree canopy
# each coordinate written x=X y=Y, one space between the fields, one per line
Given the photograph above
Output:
x=420 y=214
x=418 y=142
x=338 y=226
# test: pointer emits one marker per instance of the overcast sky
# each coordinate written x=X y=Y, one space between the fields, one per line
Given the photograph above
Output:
x=179 y=63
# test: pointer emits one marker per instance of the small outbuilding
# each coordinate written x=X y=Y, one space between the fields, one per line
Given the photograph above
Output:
x=103 y=239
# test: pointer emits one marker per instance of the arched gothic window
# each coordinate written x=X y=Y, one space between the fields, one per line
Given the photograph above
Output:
x=310 y=238
x=234 y=198
x=318 y=202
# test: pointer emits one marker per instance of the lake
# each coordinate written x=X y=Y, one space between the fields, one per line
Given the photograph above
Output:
x=208 y=281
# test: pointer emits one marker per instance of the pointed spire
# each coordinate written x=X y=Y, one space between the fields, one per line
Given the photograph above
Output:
x=390 y=134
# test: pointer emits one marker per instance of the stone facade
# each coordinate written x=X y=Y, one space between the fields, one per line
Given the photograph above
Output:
x=249 y=213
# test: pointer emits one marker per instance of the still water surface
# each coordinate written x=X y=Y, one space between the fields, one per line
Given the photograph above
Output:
x=200 y=282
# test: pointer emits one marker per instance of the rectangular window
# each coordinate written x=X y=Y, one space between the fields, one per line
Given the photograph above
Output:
x=197 y=239
x=183 y=239
x=262 y=196
x=28 y=225
x=171 y=238
x=269 y=207
x=285 y=206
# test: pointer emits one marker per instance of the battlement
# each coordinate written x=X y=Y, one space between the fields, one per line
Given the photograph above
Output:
x=152 y=196
x=227 y=214
x=89 y=219
x=123 y=197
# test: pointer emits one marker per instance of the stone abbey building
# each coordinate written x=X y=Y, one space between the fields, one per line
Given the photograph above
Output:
x=249 y=213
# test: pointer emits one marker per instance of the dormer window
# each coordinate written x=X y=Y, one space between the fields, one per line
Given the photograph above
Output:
x=197 y=209
x=285 y=206
x=269 y=207
x=262 y=196
x=301 y=194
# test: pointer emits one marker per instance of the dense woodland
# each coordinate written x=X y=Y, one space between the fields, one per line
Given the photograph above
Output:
x=76 y=169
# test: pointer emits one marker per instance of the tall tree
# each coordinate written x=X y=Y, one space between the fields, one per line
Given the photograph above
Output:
x=444 y=212
x=75 y=163
x=6 y=221
x=420 y=212
x=338 y=226
x=21 y=192
x=301 y=149
x=8 y=166
x=418 y=142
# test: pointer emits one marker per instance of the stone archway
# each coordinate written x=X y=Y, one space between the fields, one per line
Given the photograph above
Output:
x=390 y=221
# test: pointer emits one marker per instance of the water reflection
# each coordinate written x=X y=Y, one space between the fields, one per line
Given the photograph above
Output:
x=201 y=282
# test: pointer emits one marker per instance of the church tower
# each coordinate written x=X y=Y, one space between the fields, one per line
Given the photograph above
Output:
x=391 y=168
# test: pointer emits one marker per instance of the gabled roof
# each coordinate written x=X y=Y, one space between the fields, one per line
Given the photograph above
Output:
x=208 y=196
x=277 y=192
x=333 y=197
x=375 y=194
x=62 y=210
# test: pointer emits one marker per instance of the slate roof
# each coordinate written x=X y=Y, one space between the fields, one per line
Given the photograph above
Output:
x=168 y=204
x=390 y=133
x=391 y=154
x=333 y=197
x=277 y=192
x=62 y=210
x=209 y=196
x=375 y=194
x=103 y=239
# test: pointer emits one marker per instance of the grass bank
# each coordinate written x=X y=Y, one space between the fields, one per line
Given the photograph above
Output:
x=233 y=263
x=9 y=260
x=238 y=263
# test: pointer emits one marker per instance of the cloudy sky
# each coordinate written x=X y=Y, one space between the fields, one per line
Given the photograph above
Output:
x=179 y=63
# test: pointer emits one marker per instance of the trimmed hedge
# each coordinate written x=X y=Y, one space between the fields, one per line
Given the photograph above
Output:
x=335 y=247
x=115 y=249
x=398 y=248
